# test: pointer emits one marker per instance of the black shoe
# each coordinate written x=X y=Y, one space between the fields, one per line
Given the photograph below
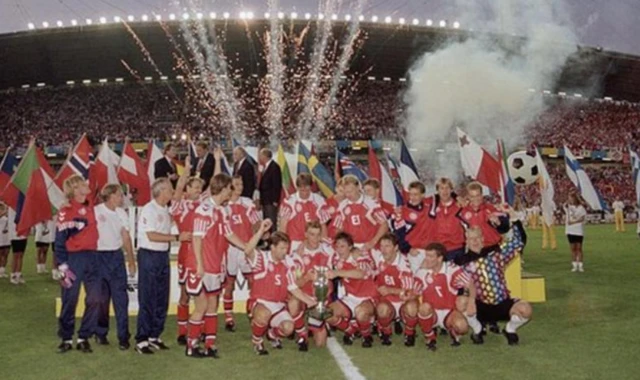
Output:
x=374 y=330
x=192 y=352
x=455 y=342
x=230 y=326
x=385 y=340
x=182 y=340
x=477 y=338
x=144 y=350
x=211 y=353
x=303 y=346
x=443 y=332
x=64 y=347
x=367 y=342
x=158 y=345
x=260 y=350
x=512 y=338
x=102 y=340
x=493 y=327
x=431 y=345
x=84 y=346
x=347 y=340
x=123 y=346
x=409 y=340
x=276 y=343
x=397 y=327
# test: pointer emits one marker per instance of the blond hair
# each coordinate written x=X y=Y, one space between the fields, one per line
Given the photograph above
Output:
x=444 y=181
x=71 y=184
x=474 y=186
x=108 y=190
x=350 y=179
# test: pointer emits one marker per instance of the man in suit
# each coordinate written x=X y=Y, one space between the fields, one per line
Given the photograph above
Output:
x=165 y=168
x=205 y=164
x=242 y=167
x=270 y=186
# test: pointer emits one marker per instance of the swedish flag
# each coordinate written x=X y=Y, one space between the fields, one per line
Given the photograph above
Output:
x=308 y=162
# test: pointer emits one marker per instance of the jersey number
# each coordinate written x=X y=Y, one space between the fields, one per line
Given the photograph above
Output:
x=307 y=218
x=237 y=219
x=388 y=280
x=439 y=291
x=355 y=220
x=278 y=280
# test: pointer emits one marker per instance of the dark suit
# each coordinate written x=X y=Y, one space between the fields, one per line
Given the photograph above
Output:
x=248 y=174
x=270 y=189
x=206 y=168
x=163 y=168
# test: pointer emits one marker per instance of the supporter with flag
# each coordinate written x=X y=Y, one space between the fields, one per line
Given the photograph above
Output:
x=581 y=181
x=547 y=204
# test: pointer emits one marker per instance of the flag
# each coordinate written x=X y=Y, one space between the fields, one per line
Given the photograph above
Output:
x=132 y=172
x=104 y=171
x=287 y=182
x=303 y=158
x=224 y=165
x=322 y=176
x=8 y=166
x=389 y=195
x=78 y=162
x=407 y=170
x=154 y=154
x=547 y=191
x=579 y=178
x=635 y=170
x=39 y=197
x=478 y=163
x=345 y=166
x=192 y=156
x=393 y=166
x=507 y=187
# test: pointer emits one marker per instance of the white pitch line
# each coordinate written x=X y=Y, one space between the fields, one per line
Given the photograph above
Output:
x=350 y=371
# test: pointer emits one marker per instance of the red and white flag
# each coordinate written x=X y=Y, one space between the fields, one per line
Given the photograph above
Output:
x=133 y=172
x=389 y=195
x=478 y=163
x=104 y=171
x=154 y=154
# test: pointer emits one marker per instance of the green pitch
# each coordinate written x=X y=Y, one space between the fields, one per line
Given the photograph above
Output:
x=588 y=329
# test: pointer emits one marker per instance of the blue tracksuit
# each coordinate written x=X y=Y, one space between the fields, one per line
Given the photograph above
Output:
x=113 y=287
x=153 y=293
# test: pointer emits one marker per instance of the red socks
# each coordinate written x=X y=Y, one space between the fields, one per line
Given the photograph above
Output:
x=384 y=324
x=299 y=326
x=210 y=330
x=183 y=318
x=258 y=332
x=410 y=325
x=195 y=329
x=426 y=324
x=227 y=300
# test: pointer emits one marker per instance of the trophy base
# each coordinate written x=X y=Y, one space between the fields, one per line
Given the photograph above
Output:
x=321 y=316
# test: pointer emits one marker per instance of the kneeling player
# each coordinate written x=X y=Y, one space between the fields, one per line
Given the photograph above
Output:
x=355 y=269
x=273 y=280
x=310 y=255
x=445 y=296
x=395 y=285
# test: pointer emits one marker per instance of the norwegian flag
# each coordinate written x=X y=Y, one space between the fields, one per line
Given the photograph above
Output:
x=79 y=162
x=389 y=194
x=132 y=172
x=407 y=170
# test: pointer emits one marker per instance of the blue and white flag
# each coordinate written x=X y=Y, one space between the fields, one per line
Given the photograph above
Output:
x=635 y=170
x=407 y=170
x=579 y=177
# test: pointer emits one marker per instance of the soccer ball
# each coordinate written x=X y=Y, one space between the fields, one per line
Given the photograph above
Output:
x=523 y=168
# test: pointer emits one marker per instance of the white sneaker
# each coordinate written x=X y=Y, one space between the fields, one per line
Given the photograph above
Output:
x=580 y=269
x=20 y=278
x=55 y=274
x=574 y=269
x=3 y=274
x=14 y=280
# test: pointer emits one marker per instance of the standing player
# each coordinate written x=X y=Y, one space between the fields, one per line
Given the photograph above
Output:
x=18 y=247
x=44 y=237
x=273 y=281
x=113 y=236
x=412 y=225
x=244 y=220
x=355 y=269
x=311 y=255
x=207 y=267
x=301 y=208
x=333 y=203
x=5 y=240
x=75 y=249
x=186 y=198
x=394 y=280
x=448 y=225
x=445 y=297
x=360 y=217
x=479 y=213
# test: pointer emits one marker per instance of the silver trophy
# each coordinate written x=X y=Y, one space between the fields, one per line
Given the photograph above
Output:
x=321 y=291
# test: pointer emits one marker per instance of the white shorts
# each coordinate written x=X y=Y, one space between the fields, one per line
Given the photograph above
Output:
x=441 y=316
x=211 y=283
x=351 y=302
x=397 y=306
x=237 y=262
x=279 y=312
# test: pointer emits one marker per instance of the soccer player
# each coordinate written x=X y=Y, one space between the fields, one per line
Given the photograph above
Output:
x=44 y=238
x=479 y=213
x=360 y=217
x=618 y=213
x=445 y=297
x=18 y=247
x=311 y=255
x=113 y=236
x=206 y=265
x=5 y=241
x=355 y=268
x=394 y=280
x=448 y=224
x=333 y=203
x=301 y=208
x=493 y=300
x=75 y=249
x=186 y=198
x=154 y=238
x=273 y=281
x=244 y=221
x=575 y=216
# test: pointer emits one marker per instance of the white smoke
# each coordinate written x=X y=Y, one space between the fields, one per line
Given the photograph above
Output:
x=482 y=84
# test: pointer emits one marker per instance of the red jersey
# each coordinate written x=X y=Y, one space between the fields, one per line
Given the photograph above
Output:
x=360 y=219
x=311 y=259
x=448 y=225
x=76 y=228
x=211 y=223
x=397 y=274
x=480 y=218
x=362 y=288
x=441 y=289
x=243 y=217
x=272 y=281
x=332 y=212
x=182 y=212
x=420 y=226
x=298 y=212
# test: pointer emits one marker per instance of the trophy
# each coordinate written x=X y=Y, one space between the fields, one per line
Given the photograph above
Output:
x=321 y=291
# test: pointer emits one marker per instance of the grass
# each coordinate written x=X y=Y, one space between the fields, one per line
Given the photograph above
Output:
x=588 y=329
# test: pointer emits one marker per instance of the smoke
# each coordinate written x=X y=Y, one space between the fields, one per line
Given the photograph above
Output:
x=482 y=84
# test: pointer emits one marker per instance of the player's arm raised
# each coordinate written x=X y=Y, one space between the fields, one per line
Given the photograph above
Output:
x=182 y=181
x=250 y=246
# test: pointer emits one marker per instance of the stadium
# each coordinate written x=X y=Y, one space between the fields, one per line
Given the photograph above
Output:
x=543 y=120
